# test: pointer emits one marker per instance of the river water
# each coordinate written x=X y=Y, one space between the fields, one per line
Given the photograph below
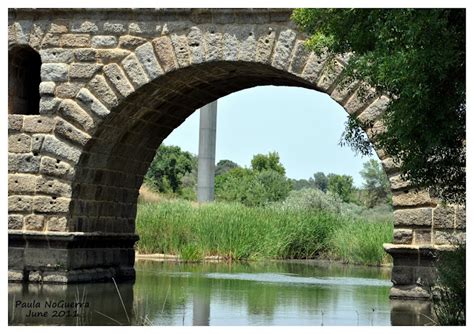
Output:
x=174 y=294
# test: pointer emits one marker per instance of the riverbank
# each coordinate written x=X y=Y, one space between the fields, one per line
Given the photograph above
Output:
x=236 y=232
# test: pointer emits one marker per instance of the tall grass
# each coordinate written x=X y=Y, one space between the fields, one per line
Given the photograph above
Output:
x=239 y=232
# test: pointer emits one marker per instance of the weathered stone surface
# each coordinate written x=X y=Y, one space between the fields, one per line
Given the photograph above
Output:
x=19 y=143
x=362 y=97
x=54 y=72
x=390 y=166
x=397 y=183
x=84 y=26
x=213 y=44
x=60 y=149
x=413 y=217
x=148 y=61
x=56 y=167
x=15 y=122
x=69 y=132
x=409 y=292
x=313 y=68
x=344 y=90
x=461 y=217
x=230 y=43
x=15 y=222
x=83 y=71
x=56 y=224
x=68 y=90
x=51 y=186
x=181 y=49
x=75 y=40
x=111 y=55
x=57 y=55
x=58 y=27
x=196 y=45
x=71 y=111
x=21 y=183
x=116 y=76
x=283 y=49
x=20 y=203
x=114 y=27
x=411 y=198
x=85 y=55
x=130 y=42
x=47 y=204
x=422 y=236
x=374 y=110
x=48 y=105
x=47 y=88
x=330 y=75
x=443 y=216
x=23 y=163
x=164 y=51
x=36 y=143
x=452 y=237
x=100 y=88
x=104 y=41
x=300 y=57
x=402 y=236
x=38 y=124
x=92 y=103
x=36 y=35
x=34 y=223
x=144 y=28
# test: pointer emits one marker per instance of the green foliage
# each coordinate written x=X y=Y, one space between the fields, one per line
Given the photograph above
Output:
x=239 y=232
x=450 y=308
x=223 y=166
x=168 y=167
x=250 y=187
x=341 y=185
x=320 y=181
x=376 y=183
x=418 y=58
x=270 y=161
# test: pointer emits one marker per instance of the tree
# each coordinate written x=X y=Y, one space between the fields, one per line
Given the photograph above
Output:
x=376 y=183
x=168 y=167
x=320 y=181
x=341 y=185
x=418 y=58
x=223 y=166
x=270 y=161
x=301 y=184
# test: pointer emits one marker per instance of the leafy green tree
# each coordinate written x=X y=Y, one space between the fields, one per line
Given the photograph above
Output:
x=301 y=184
x=168 y=167
x=270 y=161
x=223 y=166
x=376 y=183
x=320 y=181
x=418 y=58
x=341 y=185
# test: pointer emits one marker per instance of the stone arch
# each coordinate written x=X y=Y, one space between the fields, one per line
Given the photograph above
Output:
x=73 y=182
x=24 y=65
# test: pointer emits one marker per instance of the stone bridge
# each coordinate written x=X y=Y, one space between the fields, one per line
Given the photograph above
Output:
x=92 y=94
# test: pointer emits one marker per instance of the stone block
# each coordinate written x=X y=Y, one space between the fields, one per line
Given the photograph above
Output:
x=413 y=217
x=100 y=88
x=460 y=217
x=15 y=222
x=83 y=71
x=60 y=149
x=56 y=224
x=92 y=103
x=48 y=105
x=57 y=55
x=363 y=96
x=146 y=56
x=411 y=198
x=181 y=49
x=21 y=183
x=313 y=68
x=84 y=26
x=135 y=71
x=397 y=183
x=68 y=131
x=144 y=28
x=15 y=122
x=422 y=236
x=390 y=166
x=443 y=216
x=451 y=237
x=50 y=41
x=116 y=76
x=165 y=53
x=330 y=75
x=36 y=143
x=196 y=46
x=71 y=111
x=68 y=90
x=47 y=204
x=265 y=41
x=50 y=186
x=18 y=203
x=85 y=55
x=56 y=167
x=402 y=236
x=46 y=88
x=75 y=40
x=114 y=27
x=111 y=55
x=54 y=72
x=34 y=223
x=403 y=275
x=101 y=41
x=19 y=143
x=130 y=42
x=374 y=110
x=23 y=163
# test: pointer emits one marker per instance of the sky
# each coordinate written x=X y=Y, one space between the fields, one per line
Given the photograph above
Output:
x=302 y=125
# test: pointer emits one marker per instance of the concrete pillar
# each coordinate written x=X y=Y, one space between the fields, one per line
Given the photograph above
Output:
x=207 y=152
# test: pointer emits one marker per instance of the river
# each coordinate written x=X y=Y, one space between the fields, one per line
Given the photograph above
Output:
x=279 y=293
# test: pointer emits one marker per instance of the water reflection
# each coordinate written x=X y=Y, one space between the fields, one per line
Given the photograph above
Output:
x=275 y=293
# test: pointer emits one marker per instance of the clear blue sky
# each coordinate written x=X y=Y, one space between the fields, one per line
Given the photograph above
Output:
x=302 y=125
